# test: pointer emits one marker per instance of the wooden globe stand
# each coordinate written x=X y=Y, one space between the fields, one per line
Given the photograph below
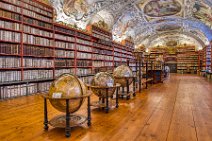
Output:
x=104 y=100
x=68 y=120
x=127 y=93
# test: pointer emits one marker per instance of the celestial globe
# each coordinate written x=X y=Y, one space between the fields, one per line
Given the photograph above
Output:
x=103 y=79
x=122 y=72
x=67 y=86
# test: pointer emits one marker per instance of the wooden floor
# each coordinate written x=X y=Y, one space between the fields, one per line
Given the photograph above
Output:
x=178 y=110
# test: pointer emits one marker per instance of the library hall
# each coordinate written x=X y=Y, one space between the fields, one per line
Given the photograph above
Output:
x=105 y=70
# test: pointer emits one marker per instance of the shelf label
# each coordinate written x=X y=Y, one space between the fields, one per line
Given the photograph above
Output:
x=57 y=95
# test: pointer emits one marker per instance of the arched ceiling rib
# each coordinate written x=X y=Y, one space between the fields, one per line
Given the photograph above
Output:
x=141 y=19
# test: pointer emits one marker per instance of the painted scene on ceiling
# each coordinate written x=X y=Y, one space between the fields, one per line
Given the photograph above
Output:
x=160 y=8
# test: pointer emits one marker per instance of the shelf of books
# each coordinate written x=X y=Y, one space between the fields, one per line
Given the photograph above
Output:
x=103 y=50
x=26 y=35
x=34 y=50
x=187 y=59
x=208 y=63
x=154 y=55
x=201 y=62
x=128 y=51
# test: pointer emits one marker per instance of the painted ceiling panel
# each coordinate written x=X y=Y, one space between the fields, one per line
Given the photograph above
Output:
x=141 y=19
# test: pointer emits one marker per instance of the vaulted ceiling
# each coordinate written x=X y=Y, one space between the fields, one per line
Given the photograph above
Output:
x=148 y=22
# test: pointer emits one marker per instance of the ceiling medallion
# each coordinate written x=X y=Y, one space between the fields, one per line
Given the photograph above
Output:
x=161 y=8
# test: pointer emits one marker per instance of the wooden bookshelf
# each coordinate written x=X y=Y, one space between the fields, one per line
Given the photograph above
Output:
x=34 y=50
x=187 y=60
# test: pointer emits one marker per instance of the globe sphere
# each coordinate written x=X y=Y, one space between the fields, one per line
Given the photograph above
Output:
x=103 y=79
x=67 y=86
x=121 y=73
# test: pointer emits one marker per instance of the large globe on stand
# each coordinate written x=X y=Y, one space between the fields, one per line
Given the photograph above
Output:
x=122 y=72
x=67 y=86
x=103 y=79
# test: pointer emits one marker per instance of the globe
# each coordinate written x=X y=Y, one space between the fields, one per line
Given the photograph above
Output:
x=67 y=86
x=103 y=79
x=122 y=72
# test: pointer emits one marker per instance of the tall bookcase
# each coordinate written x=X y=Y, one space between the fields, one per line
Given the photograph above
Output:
x=187 y=59
x=34 y=50
x=26 y=35
x=201 y=63
x=103 y=50
x=208 y=56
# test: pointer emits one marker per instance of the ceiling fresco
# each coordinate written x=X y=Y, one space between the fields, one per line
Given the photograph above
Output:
x=143 y=20
x=156 y=8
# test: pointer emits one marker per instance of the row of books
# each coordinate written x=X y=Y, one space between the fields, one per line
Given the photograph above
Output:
x=18 y=90
x=38 y=9
x=117 y=59
x=63 y=63
x=64 y=30
x=6 y=48
x=64 y=45
x=10 y=15
x=84 y=63
x=102 y=57
x=37 y=5
x=118 y=54
x=84 y=36
x=83 y=71
x=81 y=41
x=105 y=47
x=128 y=56
x=10 y=25
x=98 y=63
x=61 y=71
x=16 y=2
x=101 y=51
x=101 y=36
x=37 y=31
x=64 y=53
x=10 y=62
x=31 y=39
x=10 y=36
x=82 y=55
x=10 y=7
x=103 y=33
x=38 y=74
x=36 y=15
x=43 y=86
x=104 y=42
x=108 y=63
x=37 y=23
x=37 y=51
x=83 y=48
x=10 y=76
x=126 y=52
x=23 y=89
x=64 y=37
x=37 y=62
